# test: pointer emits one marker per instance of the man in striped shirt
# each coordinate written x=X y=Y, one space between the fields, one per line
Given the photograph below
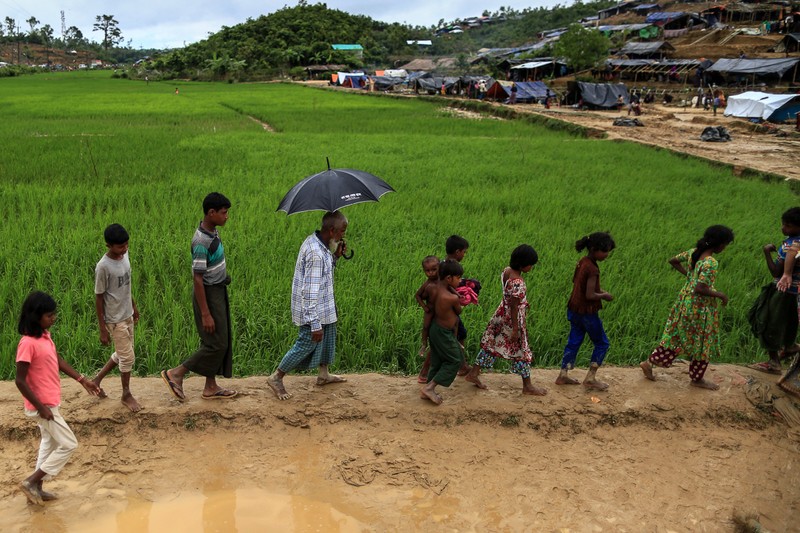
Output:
x=313 y=306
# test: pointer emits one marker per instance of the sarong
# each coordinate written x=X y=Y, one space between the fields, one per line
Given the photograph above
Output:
x=773 y=318
x=215 y=355
x=445 y=355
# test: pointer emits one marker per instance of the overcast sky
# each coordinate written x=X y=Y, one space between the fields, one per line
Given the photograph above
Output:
x=173 y=23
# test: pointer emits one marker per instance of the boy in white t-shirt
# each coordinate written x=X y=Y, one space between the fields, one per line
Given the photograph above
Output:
x=116 y=310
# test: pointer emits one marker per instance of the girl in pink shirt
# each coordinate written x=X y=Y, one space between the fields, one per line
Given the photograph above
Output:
x=38 y=366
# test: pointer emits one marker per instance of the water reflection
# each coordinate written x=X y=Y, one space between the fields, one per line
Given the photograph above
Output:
x=226 y=511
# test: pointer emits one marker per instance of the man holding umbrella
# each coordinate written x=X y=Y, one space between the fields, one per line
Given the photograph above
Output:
x=313 y=306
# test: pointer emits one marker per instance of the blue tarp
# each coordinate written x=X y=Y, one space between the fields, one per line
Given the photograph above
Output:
x=663 y=17
x=531 y=91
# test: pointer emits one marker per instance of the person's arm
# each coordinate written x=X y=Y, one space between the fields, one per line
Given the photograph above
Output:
x=88 y=384
x=100 y=308
x=419 y=296
x=592 y=294
x=677 y=264
x=455 y=300
x=200 y=296
x=788 y=268
x=135 y=311
x=311 y=285
x=775 y=268
x=705 y=290
x=27 y=393
x=514 y=310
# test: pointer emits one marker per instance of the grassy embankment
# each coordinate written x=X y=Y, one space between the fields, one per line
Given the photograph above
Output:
x=81 y=151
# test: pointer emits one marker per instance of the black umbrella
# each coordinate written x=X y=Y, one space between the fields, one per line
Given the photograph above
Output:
x=332 y=190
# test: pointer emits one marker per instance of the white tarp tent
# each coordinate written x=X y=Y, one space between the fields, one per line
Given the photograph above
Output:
x=755 y=104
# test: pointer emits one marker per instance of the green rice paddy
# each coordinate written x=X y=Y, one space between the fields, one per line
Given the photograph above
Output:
x=79 y=151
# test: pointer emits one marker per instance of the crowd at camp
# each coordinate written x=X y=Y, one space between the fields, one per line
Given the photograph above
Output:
x=692 y=330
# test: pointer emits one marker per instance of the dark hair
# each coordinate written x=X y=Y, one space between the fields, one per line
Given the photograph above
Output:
x=599 y=241
x=33 y=308
x=713 y=237
x=522 y=256
x=429 y=259
x=215 y=201
x=792 y=216
x=116 y=234
x=450 y=268
x=455 y=243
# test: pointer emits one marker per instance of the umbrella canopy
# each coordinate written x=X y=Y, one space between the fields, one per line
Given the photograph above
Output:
x=332 y=190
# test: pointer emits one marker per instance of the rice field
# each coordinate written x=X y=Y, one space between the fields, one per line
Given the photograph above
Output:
x=81 y=150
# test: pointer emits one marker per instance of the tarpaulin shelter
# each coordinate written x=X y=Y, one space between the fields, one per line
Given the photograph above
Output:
x=599 y=95
x=756 y=67
x=539 y=68
x=356 y=80
x=644 y=31
x=789 y=44
x=386 y=83
x=528 y=92
x=664 y=69
x=764 y=106
x=433 y=85
x=636 y=50
x=676 y=23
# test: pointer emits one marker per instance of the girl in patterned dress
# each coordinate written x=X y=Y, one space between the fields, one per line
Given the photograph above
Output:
x=692 y=328
x=506 y=336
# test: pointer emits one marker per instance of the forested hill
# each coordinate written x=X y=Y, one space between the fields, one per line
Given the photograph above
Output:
x=303 y=35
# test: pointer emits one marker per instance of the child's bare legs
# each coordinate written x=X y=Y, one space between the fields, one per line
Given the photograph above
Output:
x=530 y=388
x=647 y=368
x=109 y=366
x=591 y=382
x=275 y=382
x=563 y=379
x=473 y=376
x=428 y=392
x=127 y=398
x=426 y=366
x=426 y=324
x=30 y=486
x=662 y=357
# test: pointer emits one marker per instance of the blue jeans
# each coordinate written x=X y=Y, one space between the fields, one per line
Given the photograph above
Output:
x=580 y=325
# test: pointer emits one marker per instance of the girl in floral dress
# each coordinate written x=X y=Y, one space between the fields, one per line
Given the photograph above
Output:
x=506 y=336
x=692 y=328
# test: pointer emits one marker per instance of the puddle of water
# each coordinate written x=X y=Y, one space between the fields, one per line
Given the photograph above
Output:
x=226 y=511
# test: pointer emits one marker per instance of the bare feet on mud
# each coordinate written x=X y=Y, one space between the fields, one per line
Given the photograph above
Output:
x=102 y=393
x=464 y=370
x=330 y=378
x=564 y=380
x=534 y=390
x=130 y=402
x=473 y=376
x=705 y=384
x=46 y=496
x=277 y=387
x=594 y=385
x=647 y=368
x=31 y=492
x=430 y=395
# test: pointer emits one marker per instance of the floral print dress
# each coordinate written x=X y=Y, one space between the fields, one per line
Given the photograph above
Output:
x=693 y=325
x=496 y=340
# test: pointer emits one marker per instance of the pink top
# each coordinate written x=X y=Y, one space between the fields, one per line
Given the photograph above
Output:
x=43 y=378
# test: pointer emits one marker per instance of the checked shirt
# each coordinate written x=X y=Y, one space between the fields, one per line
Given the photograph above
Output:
x=312 y=285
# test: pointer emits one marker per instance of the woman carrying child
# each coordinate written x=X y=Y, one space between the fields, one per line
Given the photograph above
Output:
x=692 y=328
x=506 y=336
x=584 y=303
x=38 y=366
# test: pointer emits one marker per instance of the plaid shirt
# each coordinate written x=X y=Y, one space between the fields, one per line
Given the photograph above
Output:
x=312 y=285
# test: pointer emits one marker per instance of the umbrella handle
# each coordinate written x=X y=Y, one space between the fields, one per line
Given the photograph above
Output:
x=348 y=257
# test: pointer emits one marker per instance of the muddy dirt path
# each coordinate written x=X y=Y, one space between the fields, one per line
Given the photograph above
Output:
x=369 y=455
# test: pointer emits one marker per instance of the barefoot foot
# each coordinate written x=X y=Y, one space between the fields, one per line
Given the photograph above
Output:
x=705 y=384
x=534 y=391
x=430 y=395
x=564 y=380
x=31 y=492
x=475 y=380
x=595 y=385
x=277 y=387
x=647 y=368
x=130 y=402
x=102 y=393
x=464 y=370
x=330 y=378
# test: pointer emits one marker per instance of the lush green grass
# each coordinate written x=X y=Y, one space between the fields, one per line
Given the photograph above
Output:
x=80 y=151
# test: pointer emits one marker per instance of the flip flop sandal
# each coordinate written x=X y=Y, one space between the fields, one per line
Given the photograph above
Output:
x=173 y=387
x=765 y=367
x=222 y=394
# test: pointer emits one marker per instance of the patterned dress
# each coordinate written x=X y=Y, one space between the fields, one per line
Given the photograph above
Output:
x=693 y=325
x=496 y=340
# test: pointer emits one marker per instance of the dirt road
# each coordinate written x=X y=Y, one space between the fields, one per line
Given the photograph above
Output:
x=370 y=455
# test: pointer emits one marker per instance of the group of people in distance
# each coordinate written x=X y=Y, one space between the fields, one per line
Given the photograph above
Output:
x=692 y=330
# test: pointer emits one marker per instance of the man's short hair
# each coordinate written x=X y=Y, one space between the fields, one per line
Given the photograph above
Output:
x=116 y=234
x=215 y=201
x=333 y=220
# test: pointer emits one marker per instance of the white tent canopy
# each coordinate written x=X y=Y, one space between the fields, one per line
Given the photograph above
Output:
x=755 y=104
